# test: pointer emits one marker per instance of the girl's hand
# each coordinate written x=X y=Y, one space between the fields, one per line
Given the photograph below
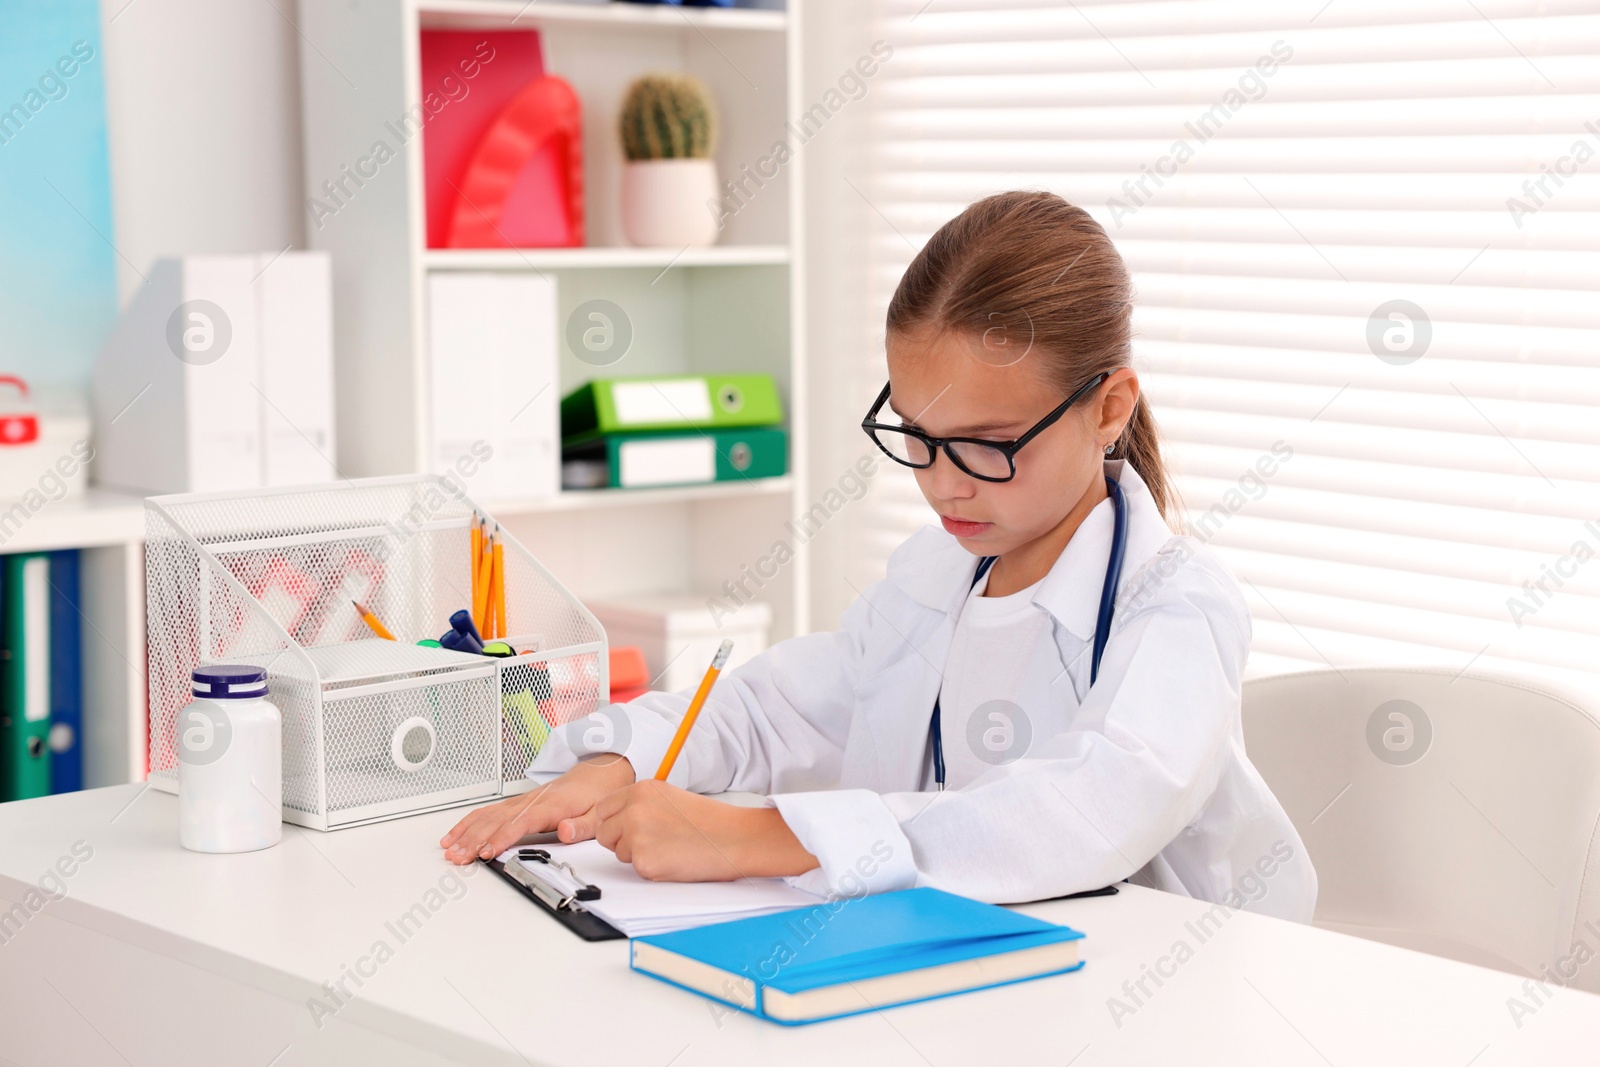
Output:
x=557 y=805
x=673 y=836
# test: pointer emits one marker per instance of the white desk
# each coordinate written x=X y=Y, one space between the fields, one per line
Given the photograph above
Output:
x=161 y=956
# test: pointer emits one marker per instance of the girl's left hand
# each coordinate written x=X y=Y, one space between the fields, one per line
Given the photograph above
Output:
x=670 y=835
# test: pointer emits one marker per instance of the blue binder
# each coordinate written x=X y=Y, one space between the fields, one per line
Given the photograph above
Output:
x=66 y=674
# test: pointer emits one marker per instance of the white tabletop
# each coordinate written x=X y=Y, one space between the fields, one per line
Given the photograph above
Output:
x=158 y=955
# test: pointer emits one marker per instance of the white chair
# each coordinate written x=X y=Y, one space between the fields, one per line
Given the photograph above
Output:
x=1452 y=814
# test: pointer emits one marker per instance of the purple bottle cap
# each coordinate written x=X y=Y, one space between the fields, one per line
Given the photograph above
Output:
x=229 y=681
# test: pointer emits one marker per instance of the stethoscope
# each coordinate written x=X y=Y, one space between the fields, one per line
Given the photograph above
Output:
x=1102 y=628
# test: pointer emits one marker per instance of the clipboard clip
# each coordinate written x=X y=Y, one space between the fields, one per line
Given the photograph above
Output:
x=584 y=892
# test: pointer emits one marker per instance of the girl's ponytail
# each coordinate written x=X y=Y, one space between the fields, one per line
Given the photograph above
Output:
x=1140 y=445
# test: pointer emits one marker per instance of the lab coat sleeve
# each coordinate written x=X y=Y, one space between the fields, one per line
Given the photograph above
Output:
x=776 y=722
x=1082 y=809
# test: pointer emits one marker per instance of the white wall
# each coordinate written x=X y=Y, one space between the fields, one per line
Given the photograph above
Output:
x=203 y=116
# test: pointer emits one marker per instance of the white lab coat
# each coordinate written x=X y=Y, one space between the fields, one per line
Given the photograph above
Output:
x=1149 y=782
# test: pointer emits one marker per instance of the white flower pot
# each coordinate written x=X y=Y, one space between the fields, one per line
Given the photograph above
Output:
x=670 y=202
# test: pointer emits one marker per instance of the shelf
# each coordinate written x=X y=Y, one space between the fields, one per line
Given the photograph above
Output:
x=94 y=518
x=515 y=14
x=603 y=258
x=738 y=304
x=584 y=499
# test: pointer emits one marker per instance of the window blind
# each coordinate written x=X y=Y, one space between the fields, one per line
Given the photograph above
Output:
x=1364 y=233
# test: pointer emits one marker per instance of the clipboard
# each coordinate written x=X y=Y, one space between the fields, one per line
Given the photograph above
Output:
x=1103 y=891
x=571 y=914
x=568 y=910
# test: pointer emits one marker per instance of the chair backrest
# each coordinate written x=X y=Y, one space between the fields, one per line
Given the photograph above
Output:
x=1453 y=813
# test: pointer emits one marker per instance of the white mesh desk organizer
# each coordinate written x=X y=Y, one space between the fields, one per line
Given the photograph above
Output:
x=372 y=729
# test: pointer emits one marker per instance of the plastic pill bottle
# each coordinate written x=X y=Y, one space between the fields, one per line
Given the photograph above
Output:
x=230 y=762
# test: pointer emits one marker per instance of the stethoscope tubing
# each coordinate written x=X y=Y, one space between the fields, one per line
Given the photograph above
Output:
x=1102 y=629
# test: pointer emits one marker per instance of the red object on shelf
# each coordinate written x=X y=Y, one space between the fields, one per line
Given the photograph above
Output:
x=468 y=79
x=19 y=423
x=630 y=677
x=506 y=197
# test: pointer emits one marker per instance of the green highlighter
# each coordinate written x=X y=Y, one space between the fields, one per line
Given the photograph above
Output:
x=522 y=714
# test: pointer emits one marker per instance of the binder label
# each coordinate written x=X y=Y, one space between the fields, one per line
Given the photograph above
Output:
x=36 y=650
x=667 y=461
x=656 y=402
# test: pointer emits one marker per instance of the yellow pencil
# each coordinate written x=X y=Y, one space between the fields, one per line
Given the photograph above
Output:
x=498 y=589
x=489 y=625
x=372 y=621
x=477 y=556
x=480 y=594
x=689 y=716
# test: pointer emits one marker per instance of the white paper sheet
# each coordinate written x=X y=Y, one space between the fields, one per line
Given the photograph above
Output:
x=637 y=906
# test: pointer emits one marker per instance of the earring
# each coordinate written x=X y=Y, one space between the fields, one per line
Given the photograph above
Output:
x=1110 y=448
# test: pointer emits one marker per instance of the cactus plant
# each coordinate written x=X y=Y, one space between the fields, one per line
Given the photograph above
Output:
x=668 y=116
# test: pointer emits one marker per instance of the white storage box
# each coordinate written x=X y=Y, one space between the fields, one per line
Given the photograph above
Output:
x=678 y=635
x=54 y=464
x=492 y=341
x=219 y=376
x=372 y=729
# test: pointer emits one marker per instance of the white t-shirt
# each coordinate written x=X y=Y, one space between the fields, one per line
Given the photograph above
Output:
x=992 y=708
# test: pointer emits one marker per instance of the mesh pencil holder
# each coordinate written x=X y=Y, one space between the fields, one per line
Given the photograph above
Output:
x=372 y=729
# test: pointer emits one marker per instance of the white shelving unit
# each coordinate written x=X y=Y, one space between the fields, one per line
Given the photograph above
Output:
x=491 y=15
x=107 y=529
x=737 y=306
x=577 y=258
x=683 y=494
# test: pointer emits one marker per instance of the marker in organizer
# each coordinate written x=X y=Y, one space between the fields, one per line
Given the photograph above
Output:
x=695 y=705
x=461 y=622
x=462 y=636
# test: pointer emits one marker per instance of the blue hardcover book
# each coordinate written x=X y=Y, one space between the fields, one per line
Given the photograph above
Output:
x=66 y=675
x=861 y=954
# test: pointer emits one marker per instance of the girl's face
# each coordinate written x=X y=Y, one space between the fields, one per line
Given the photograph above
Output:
x=949 y=385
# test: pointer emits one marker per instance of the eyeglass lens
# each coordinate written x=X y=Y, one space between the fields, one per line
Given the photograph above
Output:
x=981 y=460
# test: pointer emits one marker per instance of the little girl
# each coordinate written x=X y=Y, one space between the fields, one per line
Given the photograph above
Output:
x=986 y=720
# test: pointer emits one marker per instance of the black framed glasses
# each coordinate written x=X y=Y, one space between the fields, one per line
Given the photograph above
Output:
x=990 y=461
